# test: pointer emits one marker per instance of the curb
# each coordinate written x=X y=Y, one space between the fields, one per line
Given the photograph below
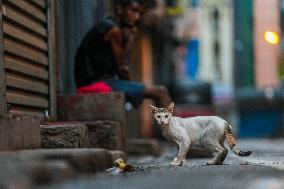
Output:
x=32 y=168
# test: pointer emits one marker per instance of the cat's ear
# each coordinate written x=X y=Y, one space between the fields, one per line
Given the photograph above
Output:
x=170 y=107
x=153 y=108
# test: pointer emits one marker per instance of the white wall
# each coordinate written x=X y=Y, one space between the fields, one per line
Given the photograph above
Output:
x=212 y=70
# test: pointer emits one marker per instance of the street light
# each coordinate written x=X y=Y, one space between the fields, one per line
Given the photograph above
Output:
x=271 y=37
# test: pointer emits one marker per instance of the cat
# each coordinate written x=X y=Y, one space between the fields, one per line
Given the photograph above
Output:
x=201 y=132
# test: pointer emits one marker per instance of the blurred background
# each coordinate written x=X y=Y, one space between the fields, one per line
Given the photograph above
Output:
x=217 y=57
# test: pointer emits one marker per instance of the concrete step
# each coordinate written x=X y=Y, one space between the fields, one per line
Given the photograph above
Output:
x=64 y=135
x=143 y=146
x=106 y=134
x=89 y=134
x=34 y=168
x=19 y=133
x=94 y=107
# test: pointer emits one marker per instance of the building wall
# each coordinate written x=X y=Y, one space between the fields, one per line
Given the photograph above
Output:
x=216 y=56
x=266 y=18
x=282 y=42
x=243 y=43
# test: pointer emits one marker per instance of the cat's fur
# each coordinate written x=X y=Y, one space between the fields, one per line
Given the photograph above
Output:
x=203 y=132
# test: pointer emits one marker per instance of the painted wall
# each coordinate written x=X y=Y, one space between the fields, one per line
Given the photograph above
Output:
x=243 y=43
x=266 y=18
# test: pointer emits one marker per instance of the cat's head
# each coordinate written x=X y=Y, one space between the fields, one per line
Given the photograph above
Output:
x=163 y=115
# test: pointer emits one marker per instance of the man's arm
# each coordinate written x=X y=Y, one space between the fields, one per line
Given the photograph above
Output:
x=115 y=38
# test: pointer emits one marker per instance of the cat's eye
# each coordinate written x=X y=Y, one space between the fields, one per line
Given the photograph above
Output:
x=158 y=116
x=166 y=116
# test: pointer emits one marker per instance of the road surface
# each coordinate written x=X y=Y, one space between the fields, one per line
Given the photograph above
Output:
x=264 y=169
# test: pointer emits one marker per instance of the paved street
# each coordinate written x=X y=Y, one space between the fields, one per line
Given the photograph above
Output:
x=263 y=169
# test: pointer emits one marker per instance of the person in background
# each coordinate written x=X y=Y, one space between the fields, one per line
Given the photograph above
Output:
x=100 y=58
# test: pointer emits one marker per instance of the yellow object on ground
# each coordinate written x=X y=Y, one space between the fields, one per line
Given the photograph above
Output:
x=119 y=163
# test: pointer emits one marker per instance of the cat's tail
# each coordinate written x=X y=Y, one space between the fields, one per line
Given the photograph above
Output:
x=232 y=142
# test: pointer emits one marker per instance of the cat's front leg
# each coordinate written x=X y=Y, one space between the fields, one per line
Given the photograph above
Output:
x=182 y=151
x=176 y=162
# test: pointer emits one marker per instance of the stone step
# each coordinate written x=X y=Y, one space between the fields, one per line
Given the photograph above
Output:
x=106 y=134
x=89 y=134
x=64 y=135
x=19 y=133
x=34 y=168
x=143 y=146
x=94 y=107
x=116 y=154
x=91 y=106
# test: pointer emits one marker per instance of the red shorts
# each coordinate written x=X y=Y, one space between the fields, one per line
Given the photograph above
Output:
x=98 y=87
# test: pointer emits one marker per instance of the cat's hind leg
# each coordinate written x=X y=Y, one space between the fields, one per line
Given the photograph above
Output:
x=220 y=155
x=183 y=148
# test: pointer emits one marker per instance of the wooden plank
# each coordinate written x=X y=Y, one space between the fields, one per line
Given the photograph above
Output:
x=25 y=100
x=51 y=15
x=26 y=69
x=25 y=21
x=25 y=52
x=3 y=106
x=30 y=9
x=40 y=3
x=24 y=110
x=15 y=81
x=26 y=113
x=28 y=38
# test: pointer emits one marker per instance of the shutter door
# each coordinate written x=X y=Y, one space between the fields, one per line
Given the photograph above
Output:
x=26 y=56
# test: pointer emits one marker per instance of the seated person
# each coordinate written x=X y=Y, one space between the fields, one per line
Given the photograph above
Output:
x=101 y=56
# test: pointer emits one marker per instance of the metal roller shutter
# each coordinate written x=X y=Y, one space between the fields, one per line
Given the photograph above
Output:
x=26 y=56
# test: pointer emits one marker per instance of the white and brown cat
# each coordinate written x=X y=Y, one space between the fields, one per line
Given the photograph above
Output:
x=202 y=132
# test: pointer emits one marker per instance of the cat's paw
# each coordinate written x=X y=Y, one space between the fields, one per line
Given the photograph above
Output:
x=214 y=163
x=176 y=162
x=210 y=163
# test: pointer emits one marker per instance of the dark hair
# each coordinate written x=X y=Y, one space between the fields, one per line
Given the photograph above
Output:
x=127 y=2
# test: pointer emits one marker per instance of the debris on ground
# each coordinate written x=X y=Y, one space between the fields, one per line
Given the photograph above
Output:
x=120 y=167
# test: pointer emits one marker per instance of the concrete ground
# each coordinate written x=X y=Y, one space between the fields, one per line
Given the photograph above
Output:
x=264 y=169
